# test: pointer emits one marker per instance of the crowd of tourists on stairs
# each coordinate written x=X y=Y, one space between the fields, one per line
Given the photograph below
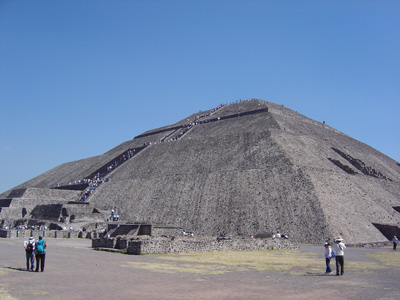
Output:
x=98 y=179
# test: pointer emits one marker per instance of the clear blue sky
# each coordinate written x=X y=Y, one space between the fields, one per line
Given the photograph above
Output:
x=79 y=77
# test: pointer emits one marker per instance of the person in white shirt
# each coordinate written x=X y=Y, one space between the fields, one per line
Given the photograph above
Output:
x=328 y=256
x=340 y=246
x=29 y=246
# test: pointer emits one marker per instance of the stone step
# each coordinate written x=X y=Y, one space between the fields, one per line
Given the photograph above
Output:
x=124 y=229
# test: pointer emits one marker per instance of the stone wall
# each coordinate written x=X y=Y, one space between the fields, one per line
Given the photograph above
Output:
x=154 y=245
x=26 y=233
x=121 y=243
x=205 y=244
x=103 y=243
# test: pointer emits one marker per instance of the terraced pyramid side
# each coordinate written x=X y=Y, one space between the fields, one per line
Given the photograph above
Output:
x=246 y=168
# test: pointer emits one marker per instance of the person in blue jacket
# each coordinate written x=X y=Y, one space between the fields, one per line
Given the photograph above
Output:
x=395 y=241
x=40 y=253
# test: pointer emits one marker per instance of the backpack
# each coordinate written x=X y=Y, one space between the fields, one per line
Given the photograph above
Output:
x=40 y=246
x=333 y=254
x=29 y=248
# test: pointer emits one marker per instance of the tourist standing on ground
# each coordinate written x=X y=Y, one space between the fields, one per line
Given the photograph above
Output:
x=395 y=242
x=328 y=256
x=340 y=246
x=29 y=246
x=40 y=253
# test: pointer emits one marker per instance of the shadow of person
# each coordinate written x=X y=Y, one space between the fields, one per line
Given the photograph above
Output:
x=317 y=274
x=17 y=269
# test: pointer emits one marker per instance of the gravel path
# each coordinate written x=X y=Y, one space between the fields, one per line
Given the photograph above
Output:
x=74 y=271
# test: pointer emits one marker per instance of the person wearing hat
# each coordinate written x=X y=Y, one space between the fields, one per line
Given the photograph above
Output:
x=29 y=246
x=395 y=241
x=40 y=253
x=340 y=246
x=328 y=256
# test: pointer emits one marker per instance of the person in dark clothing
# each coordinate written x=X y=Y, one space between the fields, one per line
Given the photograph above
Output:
x=340 y=246
x=395 y=241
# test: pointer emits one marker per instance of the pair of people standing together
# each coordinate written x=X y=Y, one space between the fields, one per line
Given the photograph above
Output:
x=35 y=250
x=338 y=254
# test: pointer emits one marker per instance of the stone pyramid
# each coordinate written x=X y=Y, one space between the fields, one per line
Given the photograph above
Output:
x=241 y=169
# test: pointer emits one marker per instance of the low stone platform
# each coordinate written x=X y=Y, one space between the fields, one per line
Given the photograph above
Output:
x=178 y=244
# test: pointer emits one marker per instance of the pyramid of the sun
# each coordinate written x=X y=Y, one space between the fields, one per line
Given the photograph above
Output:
x=242 y=169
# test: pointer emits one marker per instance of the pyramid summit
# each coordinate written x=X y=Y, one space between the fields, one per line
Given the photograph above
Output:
x=240 y=169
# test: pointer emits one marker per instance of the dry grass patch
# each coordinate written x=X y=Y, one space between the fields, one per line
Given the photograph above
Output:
x=391 y=259
x=294 y=262
x=4 y=295
x=37 y=293
x=233 y=261
x=271 y=260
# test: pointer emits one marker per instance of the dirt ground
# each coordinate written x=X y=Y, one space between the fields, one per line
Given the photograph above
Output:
x=74 y=271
